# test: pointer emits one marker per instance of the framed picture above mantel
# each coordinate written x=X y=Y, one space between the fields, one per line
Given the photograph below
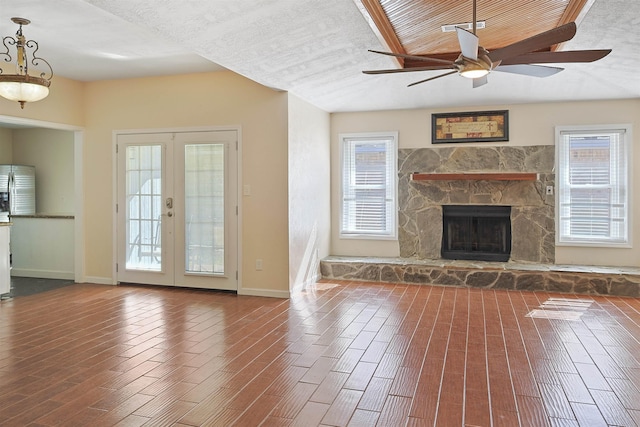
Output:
x=474 y=126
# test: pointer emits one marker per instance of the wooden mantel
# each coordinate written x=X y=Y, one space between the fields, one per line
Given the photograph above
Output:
x=497 y=176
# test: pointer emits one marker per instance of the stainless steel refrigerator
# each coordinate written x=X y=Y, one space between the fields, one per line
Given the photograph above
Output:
x=17 y=191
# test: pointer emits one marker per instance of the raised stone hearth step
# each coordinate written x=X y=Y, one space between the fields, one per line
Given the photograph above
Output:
x=591 y=280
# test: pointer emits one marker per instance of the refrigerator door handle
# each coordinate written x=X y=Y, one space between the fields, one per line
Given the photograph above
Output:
x=12 y=189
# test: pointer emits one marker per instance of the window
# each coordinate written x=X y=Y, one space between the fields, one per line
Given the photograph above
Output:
x=593 y=197
x=369 y=186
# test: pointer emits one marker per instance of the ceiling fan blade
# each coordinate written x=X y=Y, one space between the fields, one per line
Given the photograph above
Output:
x=415 y=57
x=431 y=78
x=468 y=43
x=480 y=81
x=557 y=57
x=409 y=70
x=529 y=70
x=540 y=41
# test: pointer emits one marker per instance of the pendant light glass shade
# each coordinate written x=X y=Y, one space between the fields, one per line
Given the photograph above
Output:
x=22 y=87
x=21 y=90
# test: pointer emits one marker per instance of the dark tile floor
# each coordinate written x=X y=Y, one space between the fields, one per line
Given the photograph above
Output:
x=23 y=286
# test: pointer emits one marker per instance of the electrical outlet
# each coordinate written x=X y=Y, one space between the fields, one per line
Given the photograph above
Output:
x=549 y=190
x=258 y=264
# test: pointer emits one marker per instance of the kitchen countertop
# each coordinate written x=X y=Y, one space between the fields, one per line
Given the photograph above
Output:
x=44 y=216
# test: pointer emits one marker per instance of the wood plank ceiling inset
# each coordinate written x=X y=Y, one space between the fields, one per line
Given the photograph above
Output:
x=415 y=25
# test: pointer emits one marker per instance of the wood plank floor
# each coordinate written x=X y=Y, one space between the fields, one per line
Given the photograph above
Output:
x=339 y=354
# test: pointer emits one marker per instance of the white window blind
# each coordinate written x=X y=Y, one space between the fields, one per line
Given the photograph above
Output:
x=369 y=186
x=593 y=186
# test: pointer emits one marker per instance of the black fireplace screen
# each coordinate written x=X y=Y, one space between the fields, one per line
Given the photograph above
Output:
x=476 y=232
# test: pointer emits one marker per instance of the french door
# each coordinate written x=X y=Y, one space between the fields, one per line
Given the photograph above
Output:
x=177 y=221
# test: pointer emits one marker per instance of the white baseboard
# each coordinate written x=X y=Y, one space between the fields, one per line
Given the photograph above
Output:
x=42 y=274
x=98 y=280
x=264 y=293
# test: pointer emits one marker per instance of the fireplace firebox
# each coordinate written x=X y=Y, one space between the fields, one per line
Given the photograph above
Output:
x=480 y=233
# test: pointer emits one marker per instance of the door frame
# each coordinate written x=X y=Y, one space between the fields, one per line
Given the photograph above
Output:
x=78 y=174
x=114 y=185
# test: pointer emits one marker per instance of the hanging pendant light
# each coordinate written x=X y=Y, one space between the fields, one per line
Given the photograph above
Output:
x=22 y=86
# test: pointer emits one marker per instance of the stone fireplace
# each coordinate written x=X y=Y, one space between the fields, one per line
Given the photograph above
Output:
x=532 y=209
x=532 y=226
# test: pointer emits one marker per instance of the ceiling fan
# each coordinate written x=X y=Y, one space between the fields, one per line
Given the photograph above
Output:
x=475 y=62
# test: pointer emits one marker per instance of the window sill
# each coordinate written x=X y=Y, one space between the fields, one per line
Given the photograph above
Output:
x=588 y=244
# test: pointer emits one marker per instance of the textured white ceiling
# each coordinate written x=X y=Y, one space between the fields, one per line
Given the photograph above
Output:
x=312 y=48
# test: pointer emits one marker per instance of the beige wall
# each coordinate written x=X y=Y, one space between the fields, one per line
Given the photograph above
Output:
x=64 y=105
x=309 y=191
x=6 y=146
x=530 y=124
x=51 y=152
x=207 y=99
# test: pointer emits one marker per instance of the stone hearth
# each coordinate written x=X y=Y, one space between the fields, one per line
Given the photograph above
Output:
x=487 y=275
x=532 y=212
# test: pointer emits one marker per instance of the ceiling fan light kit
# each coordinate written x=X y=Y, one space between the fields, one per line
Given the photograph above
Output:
x=473 y=72
x=474 y=68
x=21 y=86
x=522 y=57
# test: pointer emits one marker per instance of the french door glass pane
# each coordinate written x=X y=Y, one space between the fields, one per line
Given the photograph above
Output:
x=144 y=207
x=204 y=208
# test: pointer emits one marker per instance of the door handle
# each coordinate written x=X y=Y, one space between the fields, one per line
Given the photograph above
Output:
x=169 y=214
x=169 y=203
